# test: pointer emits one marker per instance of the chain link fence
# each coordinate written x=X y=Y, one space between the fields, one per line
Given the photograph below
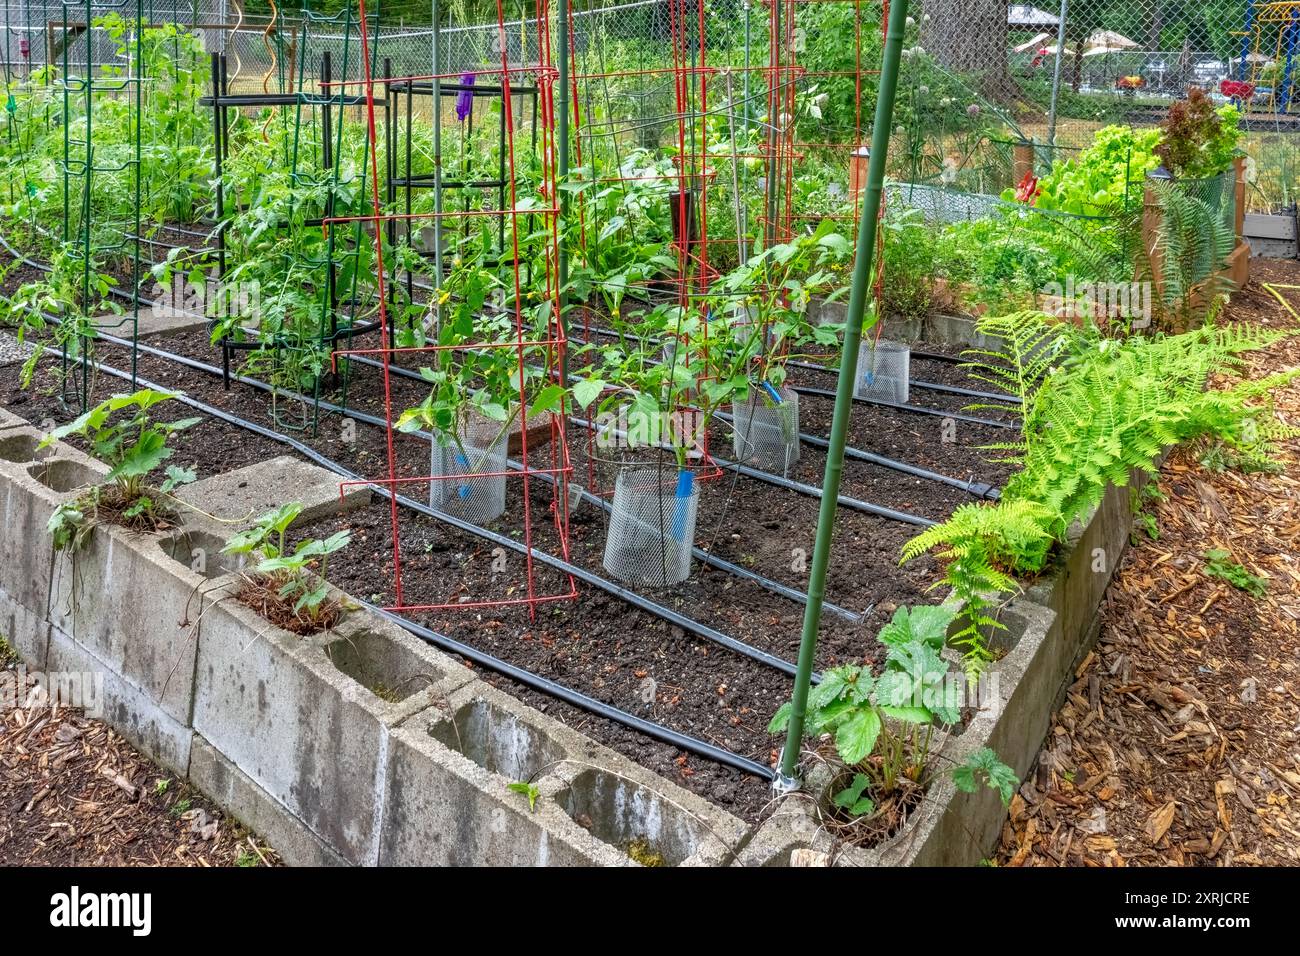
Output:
x=978 y=75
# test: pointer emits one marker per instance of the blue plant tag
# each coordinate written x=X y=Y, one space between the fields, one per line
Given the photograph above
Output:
x=462 y=491
x=685 y=483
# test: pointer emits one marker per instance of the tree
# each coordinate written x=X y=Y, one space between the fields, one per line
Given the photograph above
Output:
x=970 y=37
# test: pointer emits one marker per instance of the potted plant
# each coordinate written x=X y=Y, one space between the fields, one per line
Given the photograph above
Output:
x=762 y=307
x=479 y=391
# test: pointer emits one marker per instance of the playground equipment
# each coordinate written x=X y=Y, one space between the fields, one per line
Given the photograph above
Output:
x=1266 y=67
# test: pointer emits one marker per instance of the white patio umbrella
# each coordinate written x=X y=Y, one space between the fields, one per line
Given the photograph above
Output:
x=1033 y=44
x=1109 y=38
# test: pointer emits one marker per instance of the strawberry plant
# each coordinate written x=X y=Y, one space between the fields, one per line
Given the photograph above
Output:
x=121 y=434
x=883 y=725
x=287 y=585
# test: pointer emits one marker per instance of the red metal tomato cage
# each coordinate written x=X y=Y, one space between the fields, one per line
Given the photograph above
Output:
x=699 y=80
x=413 y=591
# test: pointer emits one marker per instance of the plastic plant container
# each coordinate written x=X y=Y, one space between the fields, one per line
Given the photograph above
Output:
x=469 y=480
x=652 y=526
x=883 y=370
x=765 y=429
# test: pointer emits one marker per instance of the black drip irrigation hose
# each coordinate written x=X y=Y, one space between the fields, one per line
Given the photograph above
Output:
x=632 y=597
x=980 y=489
x=928 y=386
x=902 y=407
x=920 y=409
x=1001 y=397
x=939 y=356
x=721 y=564
x=866 y=507
x=582 y=701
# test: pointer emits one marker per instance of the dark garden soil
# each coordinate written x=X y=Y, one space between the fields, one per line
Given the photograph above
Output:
x=598 y=644
x=73 y=793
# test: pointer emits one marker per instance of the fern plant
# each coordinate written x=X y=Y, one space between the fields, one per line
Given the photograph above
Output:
x=1189 y=251
x=1029 y=344
x=1102 y=410
x=981 y=547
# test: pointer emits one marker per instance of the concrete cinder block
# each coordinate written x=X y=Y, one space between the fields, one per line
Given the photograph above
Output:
x=442 y=809
x=957 y=330
x=8 y=420
x=132 y=712
x=310 y=732
x=26 y=553
x=25 y=630
x=153 y=322
x=123 y=597
x=449 y=802
x=243 y=494
x=235 y=792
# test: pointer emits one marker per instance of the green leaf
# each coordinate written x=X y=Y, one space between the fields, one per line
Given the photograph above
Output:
x=146 y=455
x=530 y=790
x=856 y=736
x=908 y=715
x=781 y=719
x=851 y=799
x=835 y=243
x=984 y=766
x=547 y=400
x=587 y=391
x=926 y=623
x=177 y=476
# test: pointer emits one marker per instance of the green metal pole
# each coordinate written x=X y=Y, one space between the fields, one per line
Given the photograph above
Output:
x=862 y=272
x=561 y=177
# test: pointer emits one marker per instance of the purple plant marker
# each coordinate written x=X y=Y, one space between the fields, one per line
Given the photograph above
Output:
x=465 y=98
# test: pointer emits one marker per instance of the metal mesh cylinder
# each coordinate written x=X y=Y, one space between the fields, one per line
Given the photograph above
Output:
x=765 y=434
x=883 y=369
x=652 y=527
x=469 y=480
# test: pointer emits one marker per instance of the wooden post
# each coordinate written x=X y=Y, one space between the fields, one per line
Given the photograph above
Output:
x=858 y=162
x=1022 y=160
x=1238 y=265
x=1151 y=216
x=1239 y=197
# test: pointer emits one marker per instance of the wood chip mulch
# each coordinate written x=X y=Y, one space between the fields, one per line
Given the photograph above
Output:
x=74 y=793
x=1179 y=742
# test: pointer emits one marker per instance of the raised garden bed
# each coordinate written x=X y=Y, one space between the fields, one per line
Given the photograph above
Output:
x=601 y=645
